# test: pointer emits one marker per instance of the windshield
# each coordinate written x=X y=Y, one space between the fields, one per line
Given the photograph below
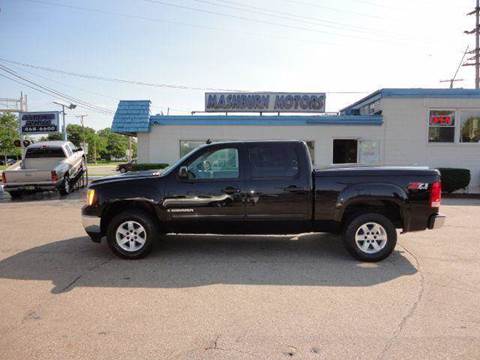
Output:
x=169 y=169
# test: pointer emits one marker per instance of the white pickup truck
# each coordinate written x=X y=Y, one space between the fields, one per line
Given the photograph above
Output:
x=50 y=165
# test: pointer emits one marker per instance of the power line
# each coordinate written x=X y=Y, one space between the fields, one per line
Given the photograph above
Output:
x=49 y=91
x=332 y=9
x=285 y=15
x=94 y=92
x=404 y=42
x=244 y=18
x=141 y=83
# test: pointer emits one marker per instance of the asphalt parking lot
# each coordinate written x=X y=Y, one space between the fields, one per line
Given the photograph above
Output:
x=201 y=297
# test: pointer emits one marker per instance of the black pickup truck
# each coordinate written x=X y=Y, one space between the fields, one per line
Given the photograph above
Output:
x=266 y=187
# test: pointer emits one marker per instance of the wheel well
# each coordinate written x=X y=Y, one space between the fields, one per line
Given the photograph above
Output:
x=120 y=206
x=388 y=209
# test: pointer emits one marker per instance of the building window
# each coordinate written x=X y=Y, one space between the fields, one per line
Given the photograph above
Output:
x=441 y=126
x=345 y=151
x=188 y=145
x=470 y=127
x=369 y=152
x=273 y=161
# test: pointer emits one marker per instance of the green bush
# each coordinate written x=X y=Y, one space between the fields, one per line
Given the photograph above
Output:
x=454 y=179
x=139 y=167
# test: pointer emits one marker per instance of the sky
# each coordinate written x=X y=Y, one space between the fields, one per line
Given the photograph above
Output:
x=346 y=48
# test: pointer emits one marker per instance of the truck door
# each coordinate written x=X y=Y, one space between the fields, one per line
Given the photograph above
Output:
x=210 y=200
x=278 y=188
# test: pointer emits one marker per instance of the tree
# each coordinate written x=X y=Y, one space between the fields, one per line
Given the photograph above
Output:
x=112 y=145
x=8 y=134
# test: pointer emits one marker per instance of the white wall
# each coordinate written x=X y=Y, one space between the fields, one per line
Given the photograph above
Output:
x=162 y=144
x=406 y=136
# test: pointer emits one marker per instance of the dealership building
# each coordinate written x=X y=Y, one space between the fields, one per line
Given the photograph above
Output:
x=424 y=127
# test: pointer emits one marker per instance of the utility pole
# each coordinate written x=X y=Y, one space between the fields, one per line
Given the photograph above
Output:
x=83 y=130
x=475 y=51
x=454 y=79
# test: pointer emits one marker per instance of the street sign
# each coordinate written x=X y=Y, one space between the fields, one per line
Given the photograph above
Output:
x=39 y=122
x=265 y=102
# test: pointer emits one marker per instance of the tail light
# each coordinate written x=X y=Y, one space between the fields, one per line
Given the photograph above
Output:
x=54 y=176
x=435 y=194
x=4 y=178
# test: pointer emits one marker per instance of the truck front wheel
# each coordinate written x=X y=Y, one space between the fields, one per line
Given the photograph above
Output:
x=130 y=234
x=370 y=237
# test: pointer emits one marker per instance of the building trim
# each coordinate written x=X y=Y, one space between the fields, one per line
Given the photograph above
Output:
x=249 y=120
x=412 y=93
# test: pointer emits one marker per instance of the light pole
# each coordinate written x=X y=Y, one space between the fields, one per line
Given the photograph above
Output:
x=71 y=107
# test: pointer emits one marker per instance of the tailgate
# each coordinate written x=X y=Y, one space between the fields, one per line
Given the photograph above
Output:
x=27 y=176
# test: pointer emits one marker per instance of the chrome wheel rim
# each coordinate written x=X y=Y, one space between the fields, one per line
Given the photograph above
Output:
x=66 y=186
x=131 y=236
x=371 y=237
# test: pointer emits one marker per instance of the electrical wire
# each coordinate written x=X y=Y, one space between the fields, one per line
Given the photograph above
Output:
x=50 y=91
x=292 y=17
x=134 y=82
x=196 y=26
x=294 y=27
x=162 y=108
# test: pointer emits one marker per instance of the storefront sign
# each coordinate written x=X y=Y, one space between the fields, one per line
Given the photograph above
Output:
x=39 y=122
x=265 y=102
x=442 y=118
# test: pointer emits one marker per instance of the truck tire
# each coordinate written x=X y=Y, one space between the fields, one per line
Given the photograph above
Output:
x=65 y=187
x=15 y=194
x=370 y=237
x=131 y=234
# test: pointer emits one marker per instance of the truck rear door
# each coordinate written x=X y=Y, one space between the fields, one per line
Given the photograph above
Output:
x=278 y=188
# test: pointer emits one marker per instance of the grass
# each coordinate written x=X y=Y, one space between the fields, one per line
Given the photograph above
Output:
x=106 y=163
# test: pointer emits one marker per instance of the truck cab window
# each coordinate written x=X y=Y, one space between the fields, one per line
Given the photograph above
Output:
x=219 y=164
x=44 y=152
x=345 y=151
x=273 y=161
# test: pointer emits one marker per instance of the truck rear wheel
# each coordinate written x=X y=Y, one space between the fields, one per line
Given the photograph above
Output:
x=370 y=237
x=15 y=194
x=65 y=187
x=131 y=234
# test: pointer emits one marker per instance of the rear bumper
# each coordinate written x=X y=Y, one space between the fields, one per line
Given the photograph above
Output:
x=436 y=221
x=31 y=187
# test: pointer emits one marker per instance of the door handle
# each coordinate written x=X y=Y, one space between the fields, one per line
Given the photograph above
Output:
x=229 y=190
x=293 y=188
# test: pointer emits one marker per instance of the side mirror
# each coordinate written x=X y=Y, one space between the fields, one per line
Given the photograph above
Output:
x=183 y=172
x=78 y=149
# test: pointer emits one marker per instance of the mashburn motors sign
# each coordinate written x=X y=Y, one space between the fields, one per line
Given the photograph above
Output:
x=265 y=102
x=39 y=122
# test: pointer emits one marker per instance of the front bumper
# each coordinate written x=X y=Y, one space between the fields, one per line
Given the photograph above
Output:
x=436 y=221
x=91 y=224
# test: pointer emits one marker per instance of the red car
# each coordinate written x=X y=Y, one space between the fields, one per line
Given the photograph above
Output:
x=123 y=168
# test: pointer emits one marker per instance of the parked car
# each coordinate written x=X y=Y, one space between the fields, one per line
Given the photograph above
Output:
x=263 y=188
x=123 y=168
x=8 y=162
x=52 y=165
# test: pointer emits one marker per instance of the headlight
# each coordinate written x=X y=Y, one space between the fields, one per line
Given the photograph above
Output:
x=90 y=196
